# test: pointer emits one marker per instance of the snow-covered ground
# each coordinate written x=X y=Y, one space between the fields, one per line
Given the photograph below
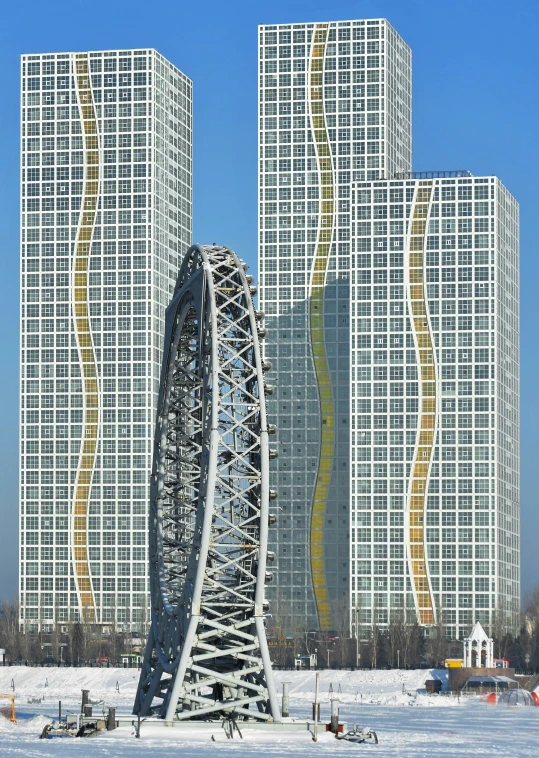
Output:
x=409 y=723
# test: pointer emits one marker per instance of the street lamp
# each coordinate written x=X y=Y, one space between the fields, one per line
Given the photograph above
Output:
x=334 y=639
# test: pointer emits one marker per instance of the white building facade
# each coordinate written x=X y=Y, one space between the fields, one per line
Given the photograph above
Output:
x=106 y=141
x=435 y=402
x=334 y=108
x=392 y=309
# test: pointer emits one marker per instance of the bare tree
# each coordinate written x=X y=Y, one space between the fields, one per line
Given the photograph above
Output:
x=413 y=639
x=436 y=643
x=341 y=646
x=116 y=643
x=144 y=626
x=9 y=628
x=530 y=606
x=375 y=635
x=25 y=643
x=500 y=634
x=396 y=637
x=283 y=646
x=78 y=643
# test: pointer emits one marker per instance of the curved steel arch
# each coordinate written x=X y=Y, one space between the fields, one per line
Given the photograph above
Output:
x=207 y=653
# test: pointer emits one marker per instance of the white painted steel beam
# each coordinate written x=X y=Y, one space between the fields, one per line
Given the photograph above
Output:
x=209 y=506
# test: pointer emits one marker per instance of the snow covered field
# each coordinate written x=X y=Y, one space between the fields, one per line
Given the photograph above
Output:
x=409 y=723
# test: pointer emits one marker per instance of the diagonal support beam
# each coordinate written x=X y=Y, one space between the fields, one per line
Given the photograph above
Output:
x=209 y=503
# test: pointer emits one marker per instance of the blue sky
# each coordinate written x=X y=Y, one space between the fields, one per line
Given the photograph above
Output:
x=475 y=107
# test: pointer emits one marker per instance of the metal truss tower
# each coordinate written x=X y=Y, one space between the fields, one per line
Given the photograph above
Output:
x=207 y=654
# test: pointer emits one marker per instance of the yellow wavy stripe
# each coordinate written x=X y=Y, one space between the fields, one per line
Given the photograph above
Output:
x=427 y=411
x=327 y=411
x=88 y=450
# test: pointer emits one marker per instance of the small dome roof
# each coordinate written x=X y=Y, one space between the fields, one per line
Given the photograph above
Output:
x=515 y=697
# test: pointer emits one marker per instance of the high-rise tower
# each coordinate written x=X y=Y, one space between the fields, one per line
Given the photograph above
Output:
x=434 y=345
x=334 y=108
x=392 y=305
x=106 y=216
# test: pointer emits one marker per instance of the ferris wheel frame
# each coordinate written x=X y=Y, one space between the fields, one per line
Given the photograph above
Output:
x=207 y=654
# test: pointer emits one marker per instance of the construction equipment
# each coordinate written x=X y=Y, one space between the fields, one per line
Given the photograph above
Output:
x=358 y=735
x=75 y=727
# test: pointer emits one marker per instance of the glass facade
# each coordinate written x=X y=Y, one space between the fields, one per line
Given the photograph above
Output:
x=334 y=108
x=434 y=402
x=106 y=216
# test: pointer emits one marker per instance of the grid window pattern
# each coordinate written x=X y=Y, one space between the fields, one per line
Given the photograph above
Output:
x=467 y=265
x=392 y=306
x=106 y=215
x=334 y=108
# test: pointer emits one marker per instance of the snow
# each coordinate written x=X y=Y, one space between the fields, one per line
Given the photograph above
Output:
x=378 y=687
x=409 y=723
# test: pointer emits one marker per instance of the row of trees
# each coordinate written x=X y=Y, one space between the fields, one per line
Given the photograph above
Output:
x=82 y=643
x=401 y=642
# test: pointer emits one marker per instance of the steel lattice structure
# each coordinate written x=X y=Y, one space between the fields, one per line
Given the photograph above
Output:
x=207 y=653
